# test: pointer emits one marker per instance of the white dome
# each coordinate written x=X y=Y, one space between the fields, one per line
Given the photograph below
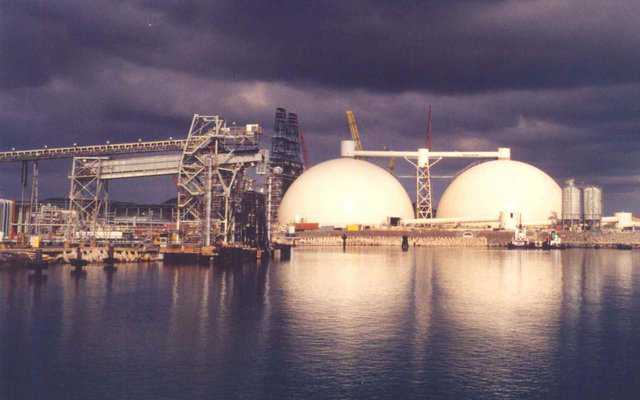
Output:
x=485 y=189
x=345 y=191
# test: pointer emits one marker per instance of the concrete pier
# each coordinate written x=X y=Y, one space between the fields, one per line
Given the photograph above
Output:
x=120 y=254
x=413 y=238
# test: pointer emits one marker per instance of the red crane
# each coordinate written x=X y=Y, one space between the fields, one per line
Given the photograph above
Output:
x=429 y=129
x=305 y=153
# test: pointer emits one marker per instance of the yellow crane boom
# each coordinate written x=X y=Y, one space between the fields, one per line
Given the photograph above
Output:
x=391 y=166
x=353 y=128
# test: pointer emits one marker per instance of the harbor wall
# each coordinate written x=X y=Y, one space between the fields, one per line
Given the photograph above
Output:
x=124 y=255
x=417 y=238
x=603 y=238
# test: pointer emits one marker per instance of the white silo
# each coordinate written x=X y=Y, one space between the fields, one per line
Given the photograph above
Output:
x=571 y=203
x=6 y=218
x=592 y=202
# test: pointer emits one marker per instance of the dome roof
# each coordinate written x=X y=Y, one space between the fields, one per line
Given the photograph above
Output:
x=345 y=191
x=484 y=190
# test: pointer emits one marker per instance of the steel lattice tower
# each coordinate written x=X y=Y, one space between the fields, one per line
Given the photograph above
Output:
x=285 y=162
x=424 y=205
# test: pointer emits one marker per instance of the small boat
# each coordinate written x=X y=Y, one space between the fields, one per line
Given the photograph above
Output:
x=519 y=244
x=520 y=240
x=622 y=246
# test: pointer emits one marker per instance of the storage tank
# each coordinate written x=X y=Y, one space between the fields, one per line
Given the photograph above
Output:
x=344 y=192
x=571 y=203
x=6 y=218
x=592 y=205
x=491 y=187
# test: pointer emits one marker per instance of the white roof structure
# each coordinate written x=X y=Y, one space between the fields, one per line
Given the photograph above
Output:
x=486 y=189
x=345 y=191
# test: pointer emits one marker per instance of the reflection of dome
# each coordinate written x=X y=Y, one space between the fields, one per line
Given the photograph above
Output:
x=485 y=189
x=345 y=191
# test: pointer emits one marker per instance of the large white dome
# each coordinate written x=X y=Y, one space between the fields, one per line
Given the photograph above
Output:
x=345 y=191
x=486 y=189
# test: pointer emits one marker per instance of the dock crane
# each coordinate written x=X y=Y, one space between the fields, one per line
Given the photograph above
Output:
x=391 y=165
x=355 y=136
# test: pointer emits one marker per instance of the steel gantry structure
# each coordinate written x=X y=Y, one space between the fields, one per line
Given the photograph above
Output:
x=210 y=177
x=75 y=151
x=422 y=159
x=209 y=166
x=90 y=177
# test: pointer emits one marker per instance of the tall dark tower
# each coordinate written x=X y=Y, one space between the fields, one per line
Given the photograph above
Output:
x=285 y=163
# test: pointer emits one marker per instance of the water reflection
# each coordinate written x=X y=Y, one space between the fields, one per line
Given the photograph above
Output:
x=371 y=322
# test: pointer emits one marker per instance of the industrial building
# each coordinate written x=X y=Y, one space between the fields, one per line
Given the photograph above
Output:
x=232 y=192
x=497 y=194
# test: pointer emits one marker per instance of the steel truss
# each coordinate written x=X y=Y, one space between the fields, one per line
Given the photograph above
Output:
x=424 y=206
x=49 y=153
x=424 y=202
x=208 y=191
x=87 y=194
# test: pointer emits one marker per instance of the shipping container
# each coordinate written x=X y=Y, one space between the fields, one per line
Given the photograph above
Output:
x=353 y=228
x=306 y=226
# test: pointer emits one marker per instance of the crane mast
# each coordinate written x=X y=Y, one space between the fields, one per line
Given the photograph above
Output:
x=353 y=128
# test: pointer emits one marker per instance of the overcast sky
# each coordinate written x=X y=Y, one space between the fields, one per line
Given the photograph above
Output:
x=558 y=81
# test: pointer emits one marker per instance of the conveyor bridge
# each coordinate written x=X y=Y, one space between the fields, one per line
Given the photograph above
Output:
x=145 y=166
x=49 y=153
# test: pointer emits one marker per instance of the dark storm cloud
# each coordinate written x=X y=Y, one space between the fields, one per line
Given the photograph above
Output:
x=558 y=81
x=459 y=46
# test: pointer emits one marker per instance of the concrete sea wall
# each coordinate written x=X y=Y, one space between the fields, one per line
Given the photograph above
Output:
x=98 y=254
x=593 y=239
x=417 y=238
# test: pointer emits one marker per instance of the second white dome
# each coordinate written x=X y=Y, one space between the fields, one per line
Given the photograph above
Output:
x=486 y=189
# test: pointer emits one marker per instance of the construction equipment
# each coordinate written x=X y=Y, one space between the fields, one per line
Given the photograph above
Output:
x=353 y=128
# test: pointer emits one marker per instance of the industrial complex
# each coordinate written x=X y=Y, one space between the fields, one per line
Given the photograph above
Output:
x=237 y=197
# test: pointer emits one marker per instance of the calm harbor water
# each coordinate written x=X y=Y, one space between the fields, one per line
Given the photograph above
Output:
x=370 y=323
